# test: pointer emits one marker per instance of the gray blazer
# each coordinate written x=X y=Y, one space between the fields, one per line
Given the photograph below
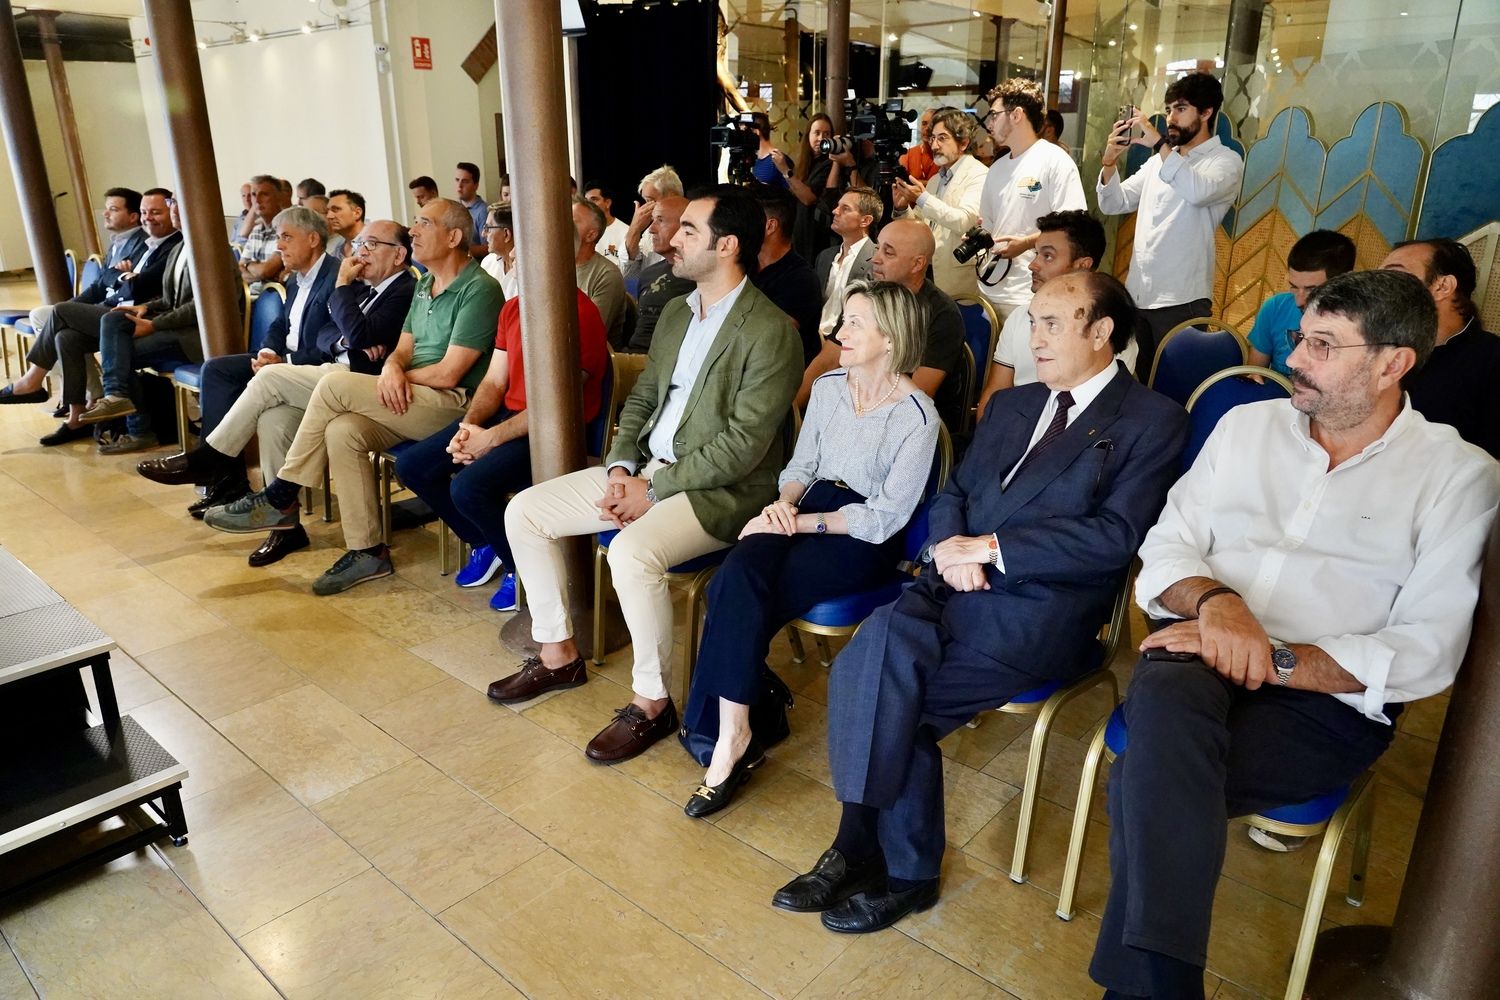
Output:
x=862 y=268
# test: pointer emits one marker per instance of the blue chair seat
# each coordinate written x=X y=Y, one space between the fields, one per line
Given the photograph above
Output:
x=23 y=325
x=1037 y=694
x=8 y=317
x=851 y=609
x=188 y=375
x=1316 y=810
x=691 y=566
x=168 y=368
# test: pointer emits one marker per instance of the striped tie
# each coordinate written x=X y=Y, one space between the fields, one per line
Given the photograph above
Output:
x=1053 y=431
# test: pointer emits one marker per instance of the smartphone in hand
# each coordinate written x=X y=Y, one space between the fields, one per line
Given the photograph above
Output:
x=1170 y=656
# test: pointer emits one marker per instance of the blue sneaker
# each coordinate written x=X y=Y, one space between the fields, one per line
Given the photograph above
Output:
x=482 y=565
x=505 y=597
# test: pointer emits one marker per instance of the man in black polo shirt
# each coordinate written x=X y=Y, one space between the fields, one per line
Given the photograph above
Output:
x=785 y=277
x=1458 y=384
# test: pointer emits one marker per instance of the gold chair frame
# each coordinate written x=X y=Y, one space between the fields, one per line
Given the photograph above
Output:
x=1358 y=809
x=1203 y=322
x=1221 y=375
x=981 y=366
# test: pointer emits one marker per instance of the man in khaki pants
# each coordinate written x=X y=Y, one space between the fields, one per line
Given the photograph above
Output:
x=697 y=454
x=424 y=386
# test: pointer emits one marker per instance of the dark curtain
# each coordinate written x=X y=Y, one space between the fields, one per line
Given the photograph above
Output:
x=648 y=94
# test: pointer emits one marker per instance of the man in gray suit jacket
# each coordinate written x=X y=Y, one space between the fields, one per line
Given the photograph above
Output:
x=849 y=259
x=696 y=456
x=1028 y=544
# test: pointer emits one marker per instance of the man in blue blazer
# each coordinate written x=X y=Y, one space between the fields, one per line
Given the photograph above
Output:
x=332 y=319
x=1029 y=544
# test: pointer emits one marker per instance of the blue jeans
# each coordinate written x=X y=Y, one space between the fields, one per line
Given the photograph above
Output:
x=471 y=499
x=121 y=353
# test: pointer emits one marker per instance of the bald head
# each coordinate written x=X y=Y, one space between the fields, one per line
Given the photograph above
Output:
x=903 y=252
x=666 y=215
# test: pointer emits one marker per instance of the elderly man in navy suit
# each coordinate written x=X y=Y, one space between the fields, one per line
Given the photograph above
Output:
x=1029 y=543
x=340 y=314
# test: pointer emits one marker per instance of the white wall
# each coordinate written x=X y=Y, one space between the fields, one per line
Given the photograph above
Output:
x=116 y=151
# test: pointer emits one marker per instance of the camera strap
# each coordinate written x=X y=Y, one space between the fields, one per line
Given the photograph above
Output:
x=985 y=267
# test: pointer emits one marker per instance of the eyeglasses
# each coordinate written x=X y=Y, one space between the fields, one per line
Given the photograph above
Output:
x=1320 y=349
x=366 y=241
x=491 y=229
x=1002 y=110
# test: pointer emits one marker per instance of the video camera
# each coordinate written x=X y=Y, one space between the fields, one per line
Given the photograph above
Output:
x=736 y=134
x=885 y=127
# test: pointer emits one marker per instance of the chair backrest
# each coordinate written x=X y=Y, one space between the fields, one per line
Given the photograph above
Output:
x=1191 y=352
x=981 y=333
x=1222 y=392
x=966 y=383
x=599 y=431
x=264 y=311
x=1484 y=246
x=70 y=261
x=633 y=286
x=915 y=535
x=92 y=268
x=632 y=316
x=414 y=272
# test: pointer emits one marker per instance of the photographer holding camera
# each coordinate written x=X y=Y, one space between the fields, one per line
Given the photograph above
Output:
x=949 y=203
x=1180 y=196
x=808 y=182
x=1034 y=179
x=772 y=167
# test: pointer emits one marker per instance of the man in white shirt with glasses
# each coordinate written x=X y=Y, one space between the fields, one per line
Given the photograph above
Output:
x=1319 y=564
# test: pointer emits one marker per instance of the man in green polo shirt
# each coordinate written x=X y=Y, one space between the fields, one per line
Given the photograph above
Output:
x=442 y=356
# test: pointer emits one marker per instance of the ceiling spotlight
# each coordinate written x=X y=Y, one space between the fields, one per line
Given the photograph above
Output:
x=255 y=34
x=976 y=13
x=238 y=36
x=1274 y=51
x=1132 y=27
x=1403 y=13
x=1158 y=47
x=891 y=37
x=202 y=43
x=307 y=27
x=1111 y=43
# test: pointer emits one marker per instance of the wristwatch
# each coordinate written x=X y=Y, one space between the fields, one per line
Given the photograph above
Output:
x=650 y=492
x=1284 y=660
x=822 y=524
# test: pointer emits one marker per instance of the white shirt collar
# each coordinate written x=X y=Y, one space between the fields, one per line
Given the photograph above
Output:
x=695 y=302
x=118 y=238
x=1302 y=430
x=854 y=249
x=1089 y=391
x=306 y=278
x=152 y=242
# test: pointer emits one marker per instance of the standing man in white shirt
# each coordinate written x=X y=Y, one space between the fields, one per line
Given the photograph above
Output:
x=611 y=245
x=850 y=260
x=1034 y=179
x=1180 y=196
x=949 y=202
x=1321 y=561
x=697 y=454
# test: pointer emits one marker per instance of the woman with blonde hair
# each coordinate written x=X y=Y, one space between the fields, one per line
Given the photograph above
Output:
x=859 y=470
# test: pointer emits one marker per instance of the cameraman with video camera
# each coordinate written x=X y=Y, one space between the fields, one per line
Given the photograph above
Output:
x=949 y=203
x=772 y=167
x=1034 y=179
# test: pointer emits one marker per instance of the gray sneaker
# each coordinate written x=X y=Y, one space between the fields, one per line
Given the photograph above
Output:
x=108 y=408
x=250 y=515
x=122 y=444
x=353 y=568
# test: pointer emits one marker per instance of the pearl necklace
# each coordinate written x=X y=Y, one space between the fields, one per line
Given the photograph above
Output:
x=860 y=410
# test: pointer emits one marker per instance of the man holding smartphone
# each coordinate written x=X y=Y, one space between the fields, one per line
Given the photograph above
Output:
x=1319 y=565
x=1180 y=196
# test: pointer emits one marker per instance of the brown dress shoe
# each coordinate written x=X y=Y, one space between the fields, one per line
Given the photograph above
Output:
x=631 y=734
x=533 y=679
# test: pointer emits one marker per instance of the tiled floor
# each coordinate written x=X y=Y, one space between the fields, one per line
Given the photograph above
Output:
x=364 y=823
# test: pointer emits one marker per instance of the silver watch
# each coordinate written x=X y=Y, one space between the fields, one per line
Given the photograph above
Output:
x=1284 y=660
x=650 y=492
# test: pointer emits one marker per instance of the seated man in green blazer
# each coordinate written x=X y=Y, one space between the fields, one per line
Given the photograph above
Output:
x=697 y=454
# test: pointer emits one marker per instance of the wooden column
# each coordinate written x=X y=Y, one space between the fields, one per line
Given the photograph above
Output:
x=791 y=58
x=24 y=148
x=1445 y=941
x=216 y=285
x=62 y=97
x=1055 y=51
x=838 y=62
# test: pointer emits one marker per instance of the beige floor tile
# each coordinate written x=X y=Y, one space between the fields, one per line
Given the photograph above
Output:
x=1007 y=933
x=133 y=686
x=527 y=924
x=577 y=715
x=892 y=965
x=1288 y=877
x=222 y=672
x=1407 y=763
x=1397 y=813
x=433 y=838
x=978 y=746
x=1253 y=937
x=13 y=982
x=312 y=744
x=128 y=930
x=1424 y=718
x=473 y=654
x=1060 y=769
x=402 y=612
x=970 y=800
x=147 y=616
x=479 y=744
x=806 y=749
x=365 y=939
x=721 y=909
x=1047 y=854
x=255 y=853
x=785 y=815
x=211 y=760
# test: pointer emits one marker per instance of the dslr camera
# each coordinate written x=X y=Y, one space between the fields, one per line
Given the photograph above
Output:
x=975 y=241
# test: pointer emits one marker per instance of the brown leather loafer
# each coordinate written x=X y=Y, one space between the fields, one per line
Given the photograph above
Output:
x=278 y=545
x=631 y=734
x=533 y=679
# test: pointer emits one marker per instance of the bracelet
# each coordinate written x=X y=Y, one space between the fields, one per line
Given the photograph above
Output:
x=1214 y=592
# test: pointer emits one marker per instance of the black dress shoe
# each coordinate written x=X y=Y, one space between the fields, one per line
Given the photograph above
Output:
x=64 y=434
x=873 y=911
x=60 y=411
x=832 y=880
x=278 y=545
x=225 y=491
x=709 y=799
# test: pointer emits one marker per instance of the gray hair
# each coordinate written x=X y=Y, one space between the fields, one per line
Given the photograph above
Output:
x=664 y=179
x=961 y=126
x=304 y=220
x=454 y=216
x=595 y=212
x=899 y=316
x=1389 y=305
x=265 y=179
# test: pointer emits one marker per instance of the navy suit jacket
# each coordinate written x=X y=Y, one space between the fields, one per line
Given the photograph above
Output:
x=381 y=326
x=314 y=316
x=145 y=284
x=1069 y=524
x=132 y=248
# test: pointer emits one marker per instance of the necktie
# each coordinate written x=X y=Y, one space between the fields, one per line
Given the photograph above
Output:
x=1052 y=433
